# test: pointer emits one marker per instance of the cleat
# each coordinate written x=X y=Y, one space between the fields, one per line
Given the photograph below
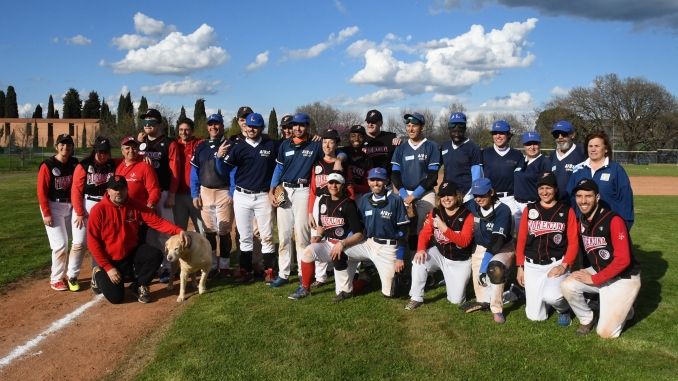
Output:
x=269 y=277
x=141 y=293
x=564 y=319
x=318 y=284
x=499 y=318
x=245 y=277
x=584 y=329
x=93 y=284
x=164 y=276
x=518 y=291
x=301 y=293
x=413 y=304
x=370 y=270
x=224 y=274
x=342 y=296
x=279 y=282
x=73 y=284
x=59 y=286
x=442 y=283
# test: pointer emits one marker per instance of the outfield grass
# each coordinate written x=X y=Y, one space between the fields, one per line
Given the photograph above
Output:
x=255 y=332
x=664 y=170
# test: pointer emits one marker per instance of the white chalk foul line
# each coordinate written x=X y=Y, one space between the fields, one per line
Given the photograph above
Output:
x=57 y=325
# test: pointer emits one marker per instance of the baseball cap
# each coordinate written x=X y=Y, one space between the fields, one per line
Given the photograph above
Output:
x=547 y=178
x=586 y=184
x=254 y=120
x=358 y=129
x=457 y=117
x=116 y=181
x=334 y=176
x=373 y=116
x=501 y=126
x=330 y=134
x=564 y=126
x=531 y=136
x=151 y=113
x=301 y=118
x=102 y=144
x=417 y=116
x=447 y=188
x=244 y=111
x=216 y=117
x=481 y=186
x=286 y=120
x=129 y=140
x=64 y=138
x=377 y=173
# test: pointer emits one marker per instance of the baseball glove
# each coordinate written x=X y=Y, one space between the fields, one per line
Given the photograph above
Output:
x=400 y=285
x=411 y=211
x=469 y=307
x=279 y=194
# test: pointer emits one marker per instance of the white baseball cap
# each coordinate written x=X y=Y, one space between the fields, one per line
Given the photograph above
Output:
x=336 y=177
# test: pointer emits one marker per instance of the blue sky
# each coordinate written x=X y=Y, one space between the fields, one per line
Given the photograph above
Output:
x=491 y=55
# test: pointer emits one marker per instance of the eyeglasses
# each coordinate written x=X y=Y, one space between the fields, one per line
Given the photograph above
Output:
x=149 y=122
x=558 y=134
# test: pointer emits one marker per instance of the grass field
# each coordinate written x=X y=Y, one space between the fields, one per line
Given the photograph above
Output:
x=651 y=170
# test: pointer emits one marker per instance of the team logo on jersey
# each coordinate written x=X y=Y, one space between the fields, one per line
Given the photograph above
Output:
x=339 y=232
x=357 y=171
x=557 y=239
x=307 y=153
x=90 y=169
x=604 y=254
x=318 y=169
x=600 y=228
x=511 y=162
x=538 y=228
x=440 y=237
x=61 y=183
x=533 y=214
x=422 y=156
x=375 y=151
x=331 y=222
x=561 y=214
x=385 y=214
x=130 y=217
x=154 y=155
x=98 y=178
x=621 y=236
x=605 y=177
x=156 y=164
x=592 y=243
x=142 y=146
x=56 y=171
x=490 y=226
x=162 y=144
x=320 y=181
x=264 y=153
x=323 y=209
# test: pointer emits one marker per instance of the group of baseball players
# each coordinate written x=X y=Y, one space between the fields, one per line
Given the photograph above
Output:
x=364 y=205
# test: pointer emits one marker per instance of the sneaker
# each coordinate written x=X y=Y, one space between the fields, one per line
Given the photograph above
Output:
x=73 y=284
x=413 y=304
x=318 y=284
x=564 y=319
x=442 y=283
x=342 y=296
x=164 y=276
x=93 y=284
x=224 y=274
x=269 y=277
x=245 y=277
x=59 y=286
x=584 y=329
x=301 y=293
x=499 y=318
x=520 y=293
x=279 y=282
x=141 y=293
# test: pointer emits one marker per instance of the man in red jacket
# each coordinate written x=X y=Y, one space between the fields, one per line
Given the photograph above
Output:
x=112 y=239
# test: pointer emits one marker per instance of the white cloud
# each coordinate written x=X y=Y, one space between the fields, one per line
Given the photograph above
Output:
x=258 y=62
x=132 y=41
x=26 y=111
x=340 y=6
x=390 y=41
x=445 y=98
x=451 y=66
x=559 y=91
x=55 y=40
x=78 y=40
x=379 y=97
x=176 y=54
x=359 y=47
x=515 y=101
x=150 y=26
x=315 y=50
x=185 y=87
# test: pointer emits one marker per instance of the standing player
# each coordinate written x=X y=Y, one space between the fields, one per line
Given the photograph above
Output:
x=359 y=163
x=379 y=145
x=242 y=119
x=460 y=156
x=184 y=208
x=565 y=157
x=526 y=175
x=55 y=177
x=286 y=128
x=415 y=171
x=614 y=272
x=450 y=228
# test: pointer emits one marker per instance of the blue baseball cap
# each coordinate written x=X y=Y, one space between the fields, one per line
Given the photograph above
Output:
x=457 y=117
x=301 y=118
x=415 y=115
x=531 y=136
x=254 y=120
x=216 y=117
x=564 y=126
x=481 y=186
x=501 y=126
x=377 y=173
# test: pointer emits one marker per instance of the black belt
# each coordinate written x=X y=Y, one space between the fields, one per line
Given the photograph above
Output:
x=385 y=241
x=520 y=200
x=60 y=199
x=247 y=191
x=547 y=261
x=504 y=194
x=92 y=198
x=290 y=185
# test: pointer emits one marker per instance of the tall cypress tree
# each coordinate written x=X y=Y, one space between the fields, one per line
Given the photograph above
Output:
x=2 y=104
x=121 y=107
x=143 y=105
x=50 y=108
x=200 y=118
x=35 y=134
x=11 y=107
x=182 y=116
x=72 y=105
x=50 y=126
x=37 y=114
x=92 y=107
x=273 y=124
x=219 y=112
x=84 y=136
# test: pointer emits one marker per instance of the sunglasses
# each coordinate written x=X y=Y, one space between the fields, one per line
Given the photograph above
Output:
x=150 y=122
x=557 y=134
x=499 y=133
x=413 y=120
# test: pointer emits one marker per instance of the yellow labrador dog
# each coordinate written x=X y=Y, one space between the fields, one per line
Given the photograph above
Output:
x=197 y=256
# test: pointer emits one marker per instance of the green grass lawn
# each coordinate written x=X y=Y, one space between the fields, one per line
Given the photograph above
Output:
x=651 y=170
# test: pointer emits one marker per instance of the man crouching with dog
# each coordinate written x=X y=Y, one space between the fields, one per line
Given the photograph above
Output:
x=112 y=239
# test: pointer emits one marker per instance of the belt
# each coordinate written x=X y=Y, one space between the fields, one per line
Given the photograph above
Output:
x=391 y=242
x=504 y=194
x=60 y=199
x=247 y=191
x=547 y=261
x=334 y=241
x=290 y=185
x=520 y=200
x=94 y=198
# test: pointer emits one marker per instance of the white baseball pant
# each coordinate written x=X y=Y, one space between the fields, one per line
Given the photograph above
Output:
x=520 y=207
x=616 y=300
x=320 y=253
x=456 y=273
x=383 y=257
x=247 y=208
x=157 y=239
x=183 y=210
x=80 y=235
x=58 y=235
x=492 y=293
x=293 y=216
x=511 y=203
x=542 y=291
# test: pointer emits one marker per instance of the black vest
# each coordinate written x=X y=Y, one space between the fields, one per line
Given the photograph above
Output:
x=358 y=166
x=322 y=169
x=97 y=176
x=60 y=177
x=546 y=231
x=158 y=151
x=332 y=217
x=447 y=248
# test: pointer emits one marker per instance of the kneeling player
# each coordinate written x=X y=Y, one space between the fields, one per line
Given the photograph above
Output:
x=450 y=225
x=614 y=272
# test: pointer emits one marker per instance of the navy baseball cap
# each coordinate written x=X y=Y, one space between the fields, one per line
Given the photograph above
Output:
x=216 y=117
x=116 y=181
x=374 y=116
x=151 y=113
x=587 y=185
x=564 y=126
x=377 y=173
x=102 y=144
x=330 y=134
x=301 y=118
x=357 y=129
x=286 y=120
x=244 y=111
x=531 y=136
x=417 y=116
x=65 y=138
x=255 y=120
x=481 y=186
x=547 y=178
x=501 y=126
x=457 y=117
x=447 y=188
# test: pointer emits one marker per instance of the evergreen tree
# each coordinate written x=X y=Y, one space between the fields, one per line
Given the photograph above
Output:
x=143 y=105
x=92 y=107
x=105 y=113
x=56 y=114
x=11 y=107
x=72 y=105
x=273 y=124
x=182 y=116
x=50 y=126
x=2 y=104
x=200 y=119
x=121 y=107
x=84 y=136
x=219 y=112
x=129 y=105
x=234 y=129
x=35 y=134
x=50 y=108
x=37 y=114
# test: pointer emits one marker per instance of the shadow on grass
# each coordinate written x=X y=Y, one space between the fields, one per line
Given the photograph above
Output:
x=653 y=268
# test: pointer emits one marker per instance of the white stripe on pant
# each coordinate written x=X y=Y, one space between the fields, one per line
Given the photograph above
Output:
x=542 y=291
x=456 y=275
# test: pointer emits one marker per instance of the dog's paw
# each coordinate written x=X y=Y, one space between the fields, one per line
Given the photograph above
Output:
x=201 y=290
x=180 y=299
x=170 y=286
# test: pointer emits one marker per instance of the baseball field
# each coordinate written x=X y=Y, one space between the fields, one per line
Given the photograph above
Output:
x=255 y=332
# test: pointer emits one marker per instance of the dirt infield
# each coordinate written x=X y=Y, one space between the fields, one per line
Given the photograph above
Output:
x=103 y=339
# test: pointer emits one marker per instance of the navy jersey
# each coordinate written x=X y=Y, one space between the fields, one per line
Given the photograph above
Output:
x=499 y=222
x=255 y=164
x=383 y=222
x=415 y=162
x=298 y=161
x=562 y=167
x=204 y=161
x=499 y=169
x=458 y=162
x=380 y=149
x=525 y=178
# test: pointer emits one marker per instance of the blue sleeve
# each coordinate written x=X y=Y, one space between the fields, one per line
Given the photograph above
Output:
x=232 y=176
x=625 y=197
x=476 y=172
x=418 y=192
x=502 y=221
x=400 y=253
x=222 y=167
x=341 y=153
x=275 y=180
x=195 y=183
x=486 y=262
x=395 y=167
x=281 y=154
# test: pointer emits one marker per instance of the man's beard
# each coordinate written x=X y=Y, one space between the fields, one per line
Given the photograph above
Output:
x=564 y=147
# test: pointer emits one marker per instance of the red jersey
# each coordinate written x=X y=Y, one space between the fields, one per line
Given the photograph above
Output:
x=186 y=151
x=141 y=180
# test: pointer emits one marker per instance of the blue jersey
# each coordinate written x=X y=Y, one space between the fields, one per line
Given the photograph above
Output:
x=383 y=222
x=458 y=162
x=414 y=163
x=255 y=164
x=562 y=167
x=298 y=161
x=203 y=161
x=500 y=222
x=499 y=168
x=525 y=178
